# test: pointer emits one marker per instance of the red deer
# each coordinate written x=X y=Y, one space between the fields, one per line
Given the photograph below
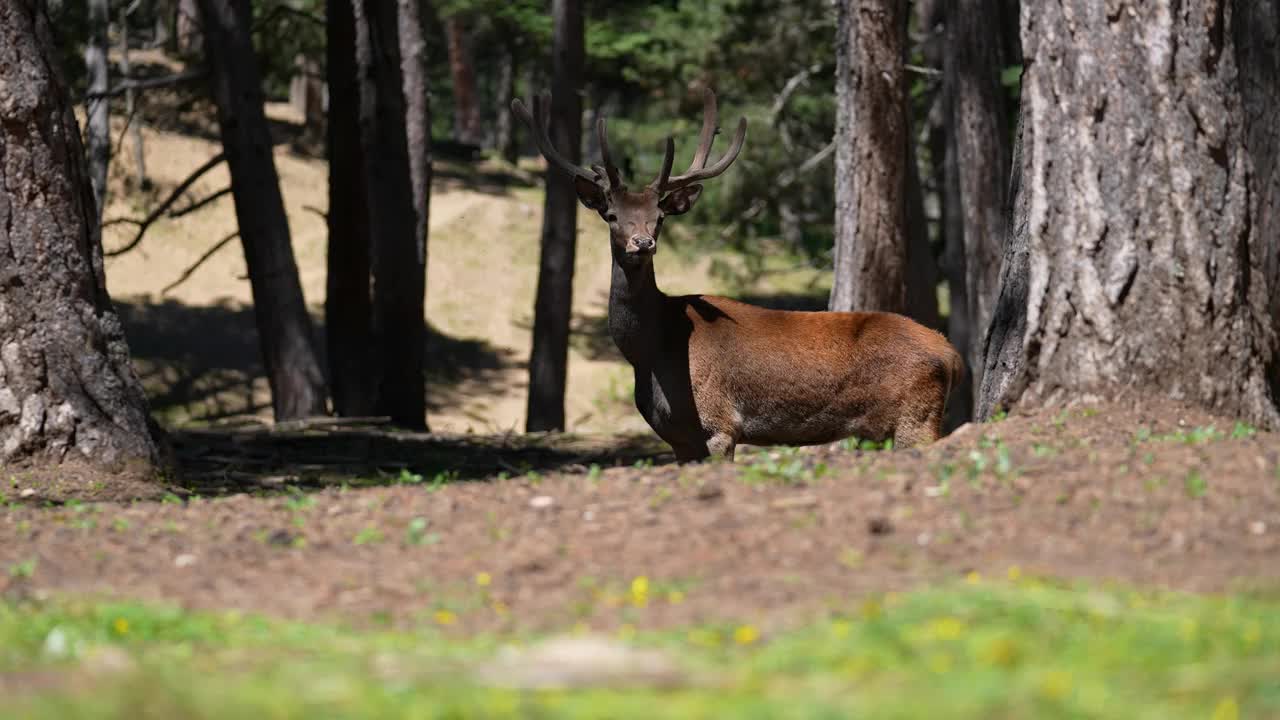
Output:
x=711 y=372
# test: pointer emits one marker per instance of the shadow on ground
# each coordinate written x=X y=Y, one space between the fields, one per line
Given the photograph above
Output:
x=203 y=363
x=311 y=457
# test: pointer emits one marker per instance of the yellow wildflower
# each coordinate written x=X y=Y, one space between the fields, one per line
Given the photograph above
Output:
x=445 y=617
x=483 y=579
x=121 y=626
x=746 y=634
x=1227 y=709
x=973 y=578
x=1015 y=572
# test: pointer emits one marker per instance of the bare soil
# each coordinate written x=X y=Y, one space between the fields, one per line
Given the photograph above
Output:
x=527 y=535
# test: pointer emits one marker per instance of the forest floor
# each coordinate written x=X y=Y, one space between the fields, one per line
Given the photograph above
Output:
x=1086 y=518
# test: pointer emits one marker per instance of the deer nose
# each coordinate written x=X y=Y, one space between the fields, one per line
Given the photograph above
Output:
x=643 y=243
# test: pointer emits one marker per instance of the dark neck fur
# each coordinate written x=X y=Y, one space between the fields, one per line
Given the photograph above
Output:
x=634 y=307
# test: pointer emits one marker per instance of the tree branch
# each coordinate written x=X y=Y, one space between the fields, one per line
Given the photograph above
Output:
x=146 y=222
x=199 y=203
x=207 y=254
x=146 y=84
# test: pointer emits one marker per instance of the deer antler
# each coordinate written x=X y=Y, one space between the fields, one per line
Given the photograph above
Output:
x=542 y=111
x=697 y=171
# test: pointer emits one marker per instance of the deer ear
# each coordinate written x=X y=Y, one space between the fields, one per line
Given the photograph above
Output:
x=590 y=194
x=680 y=201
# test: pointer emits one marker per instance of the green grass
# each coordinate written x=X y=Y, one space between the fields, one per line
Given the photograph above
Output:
x=1022 y=649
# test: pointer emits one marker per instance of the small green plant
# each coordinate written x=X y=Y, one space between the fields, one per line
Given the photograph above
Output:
x=299 y=503
x=440 y=479
x=408 y=477
x=416 y=533
x=1196 y=484
x=24 y=569
x=1042 y=450
x=999 y=415
x=1242 y=431
x=368 y=536
x=644 y=463
x=594 y=472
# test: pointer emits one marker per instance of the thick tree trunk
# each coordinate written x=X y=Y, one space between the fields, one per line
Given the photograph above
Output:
x=284 y=328
x=466 y=111
x=548 y=362
x=871 y=232
x=97 y=107
x=399 y=275
x=980 y=139
x=66 y=386
x=348 y=306
x=1135 y=258
x=1257 y=37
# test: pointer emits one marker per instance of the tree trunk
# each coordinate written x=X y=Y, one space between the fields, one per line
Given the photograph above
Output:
x=417 y=122
x=132 y=117
x=1257 y=37
x=348 y=306
x=98 y=106
x=399 y=276
x=284 y=328
x=466 y=113
x=504 y=134
x=67 y=388
x=548 y=362
x=871 y=232
x=980 y=139
x=188 y=36
x=1135 y=258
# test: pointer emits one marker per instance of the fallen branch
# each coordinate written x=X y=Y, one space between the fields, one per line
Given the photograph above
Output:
x=207 y=254
x=146 y=222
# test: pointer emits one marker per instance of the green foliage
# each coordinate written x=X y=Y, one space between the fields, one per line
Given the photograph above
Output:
x=1026 y=648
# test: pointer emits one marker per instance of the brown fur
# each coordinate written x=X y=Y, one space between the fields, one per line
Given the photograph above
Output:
x=774 y=377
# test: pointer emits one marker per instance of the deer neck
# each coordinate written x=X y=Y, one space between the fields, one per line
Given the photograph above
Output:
x=635 y=304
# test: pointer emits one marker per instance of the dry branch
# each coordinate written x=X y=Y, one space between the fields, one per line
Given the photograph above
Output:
x=146 y=222
x=207 y=254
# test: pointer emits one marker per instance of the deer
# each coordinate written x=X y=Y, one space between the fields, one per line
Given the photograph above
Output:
x=711 y=372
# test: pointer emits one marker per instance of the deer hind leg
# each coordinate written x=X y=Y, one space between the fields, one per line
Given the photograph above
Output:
x=922 y=423
x=722 y=445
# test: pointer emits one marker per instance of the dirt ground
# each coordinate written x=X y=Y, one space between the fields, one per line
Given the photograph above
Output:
x=526 y=534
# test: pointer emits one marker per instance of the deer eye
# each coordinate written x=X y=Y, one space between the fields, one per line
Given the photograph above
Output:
x=611 y=217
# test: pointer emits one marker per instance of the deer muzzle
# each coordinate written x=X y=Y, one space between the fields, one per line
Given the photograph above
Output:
x=641 y=245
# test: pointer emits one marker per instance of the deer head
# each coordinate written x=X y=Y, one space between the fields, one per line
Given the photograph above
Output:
x=635 y=217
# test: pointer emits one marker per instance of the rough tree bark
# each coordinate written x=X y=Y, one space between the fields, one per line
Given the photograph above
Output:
x=980 y=140
x=871 y=230
x=348 y=306
x=97 y=107
x=284 y=328
x=1257 y=37
x=67 y=389
x=1135 y=258
x=399 y=277
x=466 y=110
x=548 y=361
